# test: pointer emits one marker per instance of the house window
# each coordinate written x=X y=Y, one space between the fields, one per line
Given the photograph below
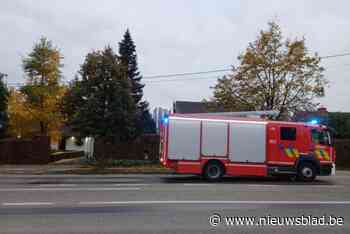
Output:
x=288 y=134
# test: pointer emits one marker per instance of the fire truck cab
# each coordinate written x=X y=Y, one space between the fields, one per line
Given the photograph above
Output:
x=214 y=146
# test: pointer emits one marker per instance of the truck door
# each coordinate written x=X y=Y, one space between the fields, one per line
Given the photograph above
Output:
x=273 y=154
x=321 y=144
x=288 y=145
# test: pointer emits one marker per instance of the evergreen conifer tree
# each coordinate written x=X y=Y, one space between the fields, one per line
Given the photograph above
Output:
x=128 y=56
x=3 y=106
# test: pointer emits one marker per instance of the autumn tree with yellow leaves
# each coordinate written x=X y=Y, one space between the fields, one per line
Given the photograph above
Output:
x=273 y=74
x=21 y=123
x=36 y=104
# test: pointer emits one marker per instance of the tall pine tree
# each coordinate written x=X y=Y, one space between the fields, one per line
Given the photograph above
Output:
x=128 y=57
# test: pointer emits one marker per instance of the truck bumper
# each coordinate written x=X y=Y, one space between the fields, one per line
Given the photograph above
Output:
x=328 y=169
x=333 y=169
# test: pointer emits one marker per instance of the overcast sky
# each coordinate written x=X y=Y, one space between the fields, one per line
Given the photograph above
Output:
x=175 y=37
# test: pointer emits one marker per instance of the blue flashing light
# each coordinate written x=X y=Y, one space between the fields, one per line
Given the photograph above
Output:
x=165 y=119
x=314 y=121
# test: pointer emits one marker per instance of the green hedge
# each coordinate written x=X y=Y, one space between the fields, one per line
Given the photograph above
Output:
x=340 y=122
x=342 y=147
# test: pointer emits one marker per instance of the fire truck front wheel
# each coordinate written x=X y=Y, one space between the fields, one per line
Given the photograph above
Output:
x=213 y=171
x=306 y=172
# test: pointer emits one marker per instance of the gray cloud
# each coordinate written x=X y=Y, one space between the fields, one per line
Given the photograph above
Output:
x=176 y=36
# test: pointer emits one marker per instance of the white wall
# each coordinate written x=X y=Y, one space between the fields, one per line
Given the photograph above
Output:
x=87 y=146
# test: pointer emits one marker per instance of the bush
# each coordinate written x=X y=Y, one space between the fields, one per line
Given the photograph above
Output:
x=122 y=163
x=130 y=163
x=342 y=147
x=341 y=123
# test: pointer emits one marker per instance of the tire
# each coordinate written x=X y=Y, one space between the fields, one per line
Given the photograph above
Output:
x=213 y=171
x=306 y=172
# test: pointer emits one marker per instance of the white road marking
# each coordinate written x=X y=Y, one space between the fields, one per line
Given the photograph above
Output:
x=189 y=184
x=27 y=203
x=322 y=186
x=266 y=185
x=263 y=185
x=66 y=189
x=131 y=185
x=57 y=185
x=179 y=202
x=211 y=202
x=17 y=169
x=295 y=185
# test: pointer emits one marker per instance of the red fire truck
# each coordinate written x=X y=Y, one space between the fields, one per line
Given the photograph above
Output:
x=214 y=146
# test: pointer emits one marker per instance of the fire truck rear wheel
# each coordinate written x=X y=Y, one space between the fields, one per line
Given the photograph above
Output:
x=306 y=172
x=213 y=171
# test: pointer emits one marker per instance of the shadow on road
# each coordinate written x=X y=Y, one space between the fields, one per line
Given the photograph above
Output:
x=244 y=180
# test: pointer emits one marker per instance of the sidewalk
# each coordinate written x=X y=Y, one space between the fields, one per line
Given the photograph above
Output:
x=37 y=169
x=66 y=168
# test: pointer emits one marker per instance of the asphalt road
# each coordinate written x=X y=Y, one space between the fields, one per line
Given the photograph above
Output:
x=167 y=204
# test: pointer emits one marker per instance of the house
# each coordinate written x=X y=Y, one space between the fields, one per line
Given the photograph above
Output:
x=72 y=141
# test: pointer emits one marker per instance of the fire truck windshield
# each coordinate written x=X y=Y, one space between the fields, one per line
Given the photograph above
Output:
x=321 y=137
